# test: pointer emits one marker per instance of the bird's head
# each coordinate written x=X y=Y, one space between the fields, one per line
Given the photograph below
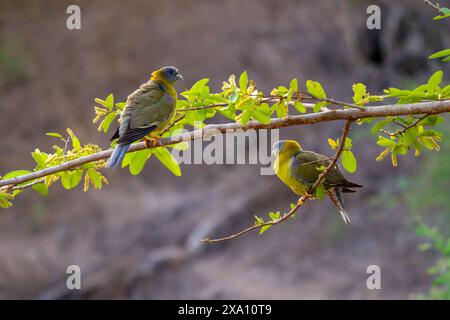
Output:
x=169 y=74
x=287 y=147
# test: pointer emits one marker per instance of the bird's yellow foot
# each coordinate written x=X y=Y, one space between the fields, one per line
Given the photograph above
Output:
x=152 y=142
x=300 y=201
x=309 y=195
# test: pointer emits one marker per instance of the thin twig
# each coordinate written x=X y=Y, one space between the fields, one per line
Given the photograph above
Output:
x=302 y=200
x=435 y=6
x=209 y=106
x=404 y=128
x=430 y=107
x=65 y=148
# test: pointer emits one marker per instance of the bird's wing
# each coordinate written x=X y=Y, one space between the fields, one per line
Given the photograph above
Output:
x=304 y=167
x=145 y=110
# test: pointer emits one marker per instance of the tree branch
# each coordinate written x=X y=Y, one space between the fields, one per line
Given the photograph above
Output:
x=303 y=199
x=432 y=107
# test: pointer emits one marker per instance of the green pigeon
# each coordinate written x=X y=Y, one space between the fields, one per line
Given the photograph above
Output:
x=298 y=169
x=148 y=111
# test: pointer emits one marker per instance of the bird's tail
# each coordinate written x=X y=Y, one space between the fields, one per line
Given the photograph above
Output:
x=117 y=156
x=338 y=200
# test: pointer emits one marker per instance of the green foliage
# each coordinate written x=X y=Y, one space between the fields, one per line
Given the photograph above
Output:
x=348 y=159
x=435 y=240
x=444 y=55
x=320 y=192
x=445 y=13
x=106 y=112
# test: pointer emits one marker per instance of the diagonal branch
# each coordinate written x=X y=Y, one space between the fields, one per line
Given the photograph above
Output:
x=431 y=107
x=302 y=200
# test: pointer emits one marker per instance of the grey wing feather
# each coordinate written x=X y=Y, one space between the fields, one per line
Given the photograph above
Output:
x=145 y=109
x=305 y=164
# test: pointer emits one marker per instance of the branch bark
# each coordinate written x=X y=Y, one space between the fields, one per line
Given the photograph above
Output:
x=432 y=107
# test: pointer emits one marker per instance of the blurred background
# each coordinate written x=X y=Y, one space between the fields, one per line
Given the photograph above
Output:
x=140 y=236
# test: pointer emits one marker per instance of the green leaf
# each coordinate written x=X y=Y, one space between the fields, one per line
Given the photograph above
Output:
x=274 y=215
x=204 y=92
x=182 y=104
x=258 y=220
x=54 y=134
x=243 y=81
x=15 y=173
x=264 y=229
x=332 y=143
x=40 y=188
x=70 y=179
x=379 y=125
x=409 y=136
x=95 y=178
x=233 y=97
x=440 y=54
x=385 y=142
x=320 y=192
x=280 y=109
x=75 y=141
x=40 y=158
x=319 y=105
x=434 y=81
x=432 y=120
x=348 y=161
x=199 y=84
x=101 y=102
x=138 y=161
x=359 y=91
x=348 y=143
x=109 y=101
x=428 y=142
x=444 y=10
x=300 y=107
x=293 y=85
x=120 y=105
x=107 y=121
x=315 y=89
x=261 y=117
x=282 y=90
x=4 y=200
x=167 y=160
x=244 y=117
x=441 y=17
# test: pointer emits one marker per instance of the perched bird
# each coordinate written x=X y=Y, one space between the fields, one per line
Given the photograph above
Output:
x=298 y=169
x=148 y=110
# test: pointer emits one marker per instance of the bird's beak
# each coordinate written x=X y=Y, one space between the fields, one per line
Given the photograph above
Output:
x=275 y=152
x=179 y=76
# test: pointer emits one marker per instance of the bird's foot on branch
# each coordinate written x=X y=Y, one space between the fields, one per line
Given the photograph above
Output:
x=152 y=142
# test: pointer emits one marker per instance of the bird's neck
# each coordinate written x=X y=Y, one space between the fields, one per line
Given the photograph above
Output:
x=167 y=85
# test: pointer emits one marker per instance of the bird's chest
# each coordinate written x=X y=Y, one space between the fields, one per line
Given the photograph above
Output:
x=282 y=170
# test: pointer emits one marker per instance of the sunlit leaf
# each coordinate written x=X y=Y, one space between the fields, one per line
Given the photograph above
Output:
x=166 y=158
x=348 y=161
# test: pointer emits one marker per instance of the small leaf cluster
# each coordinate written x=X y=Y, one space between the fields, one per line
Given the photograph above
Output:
x=348 y=159
x=70 y=149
